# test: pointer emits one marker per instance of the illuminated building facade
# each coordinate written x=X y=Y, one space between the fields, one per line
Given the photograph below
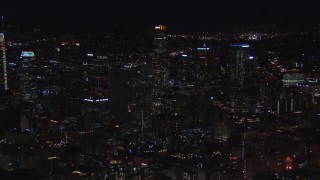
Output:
x=96 y=74
x=202 y=64
x=70 y=60
x=239 y=56
x=95 y=103
x=242 y=73
x=160 y=68
x=26 y=76
x=186 y=71
x=95 y=111
x=70 y=53
x=4 y=62
x=27 y=86
x=292 y=79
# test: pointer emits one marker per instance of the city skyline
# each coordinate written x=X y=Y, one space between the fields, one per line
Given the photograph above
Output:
x=162 y=90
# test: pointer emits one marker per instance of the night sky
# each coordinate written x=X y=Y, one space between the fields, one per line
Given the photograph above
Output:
x=188 y=14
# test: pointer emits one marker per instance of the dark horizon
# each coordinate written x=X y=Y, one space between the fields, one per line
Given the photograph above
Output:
x=187 y=15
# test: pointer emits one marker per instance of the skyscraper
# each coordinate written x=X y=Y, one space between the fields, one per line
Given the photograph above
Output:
x=27 y=77
x=239 y=55
x=95 y=106
x=160 y=40
x=186 y=71
x=118 y=93
x=4 y=62
x=27 y=87
x=2 y=47
x=202 y=64
x=160 y=68
x=4 y=58
x=96 y=74
x=242 y=71
x=70 y=60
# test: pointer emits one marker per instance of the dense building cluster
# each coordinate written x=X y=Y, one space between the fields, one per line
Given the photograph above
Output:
x=160 y=105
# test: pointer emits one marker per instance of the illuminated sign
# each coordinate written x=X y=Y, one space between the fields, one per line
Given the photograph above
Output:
x=102 y=100
x=97 y=100
x=27 y=54
x=203 y=49
x=88 y=100
x=240 y=45
x=90 y=55
x=160 y=27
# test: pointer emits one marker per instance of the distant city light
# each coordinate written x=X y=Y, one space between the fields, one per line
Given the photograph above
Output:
x=203 y=49
x=160 y=27
x=97 y=100
x=27 y=54
x=102 y=100
x=240 y=45
x=90 y=55
x=88 y=100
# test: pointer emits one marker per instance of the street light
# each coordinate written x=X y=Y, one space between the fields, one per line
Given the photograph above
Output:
x=51 y=158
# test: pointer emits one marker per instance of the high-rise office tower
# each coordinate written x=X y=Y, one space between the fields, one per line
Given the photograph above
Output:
x=160 y=68
x=4 y=63
x=27 y=76
x=243 y=87
x=202 y=64
x=186 y=73
x=71 y=58
x=27 y=87
x=71 y=55
x=3 y=49
x=160 y=40
x=239 y=55
x=96 y=74
x=118 y=94
x=95 y=106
